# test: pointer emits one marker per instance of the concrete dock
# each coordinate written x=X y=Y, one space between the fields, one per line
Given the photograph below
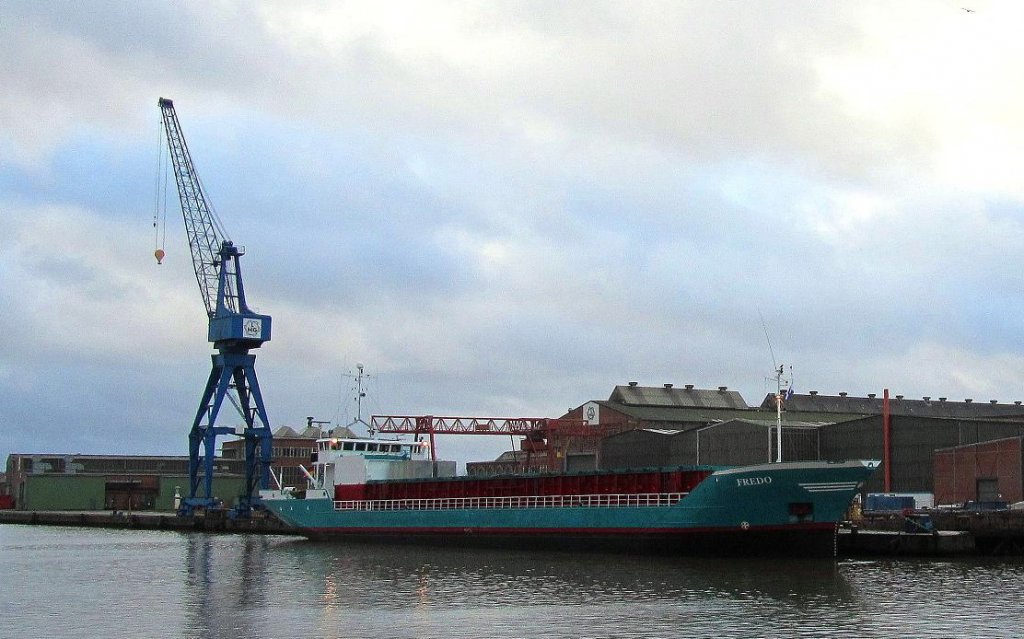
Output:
x=949 y=533
x=214 y=521
x=855 y=542
x=955 y=535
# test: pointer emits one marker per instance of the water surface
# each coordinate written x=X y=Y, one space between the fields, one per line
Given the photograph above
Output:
x=110 y=583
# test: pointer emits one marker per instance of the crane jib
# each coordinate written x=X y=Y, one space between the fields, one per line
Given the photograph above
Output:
x=215 y=258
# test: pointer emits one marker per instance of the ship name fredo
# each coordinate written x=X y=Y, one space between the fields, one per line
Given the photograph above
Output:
x=753 y=481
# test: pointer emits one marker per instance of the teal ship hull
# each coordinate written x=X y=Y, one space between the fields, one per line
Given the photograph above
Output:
x=790 y=508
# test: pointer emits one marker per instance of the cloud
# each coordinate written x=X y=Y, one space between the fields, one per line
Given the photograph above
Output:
x=507 y=209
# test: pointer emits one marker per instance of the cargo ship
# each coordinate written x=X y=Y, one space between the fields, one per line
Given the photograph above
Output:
x=391 y=491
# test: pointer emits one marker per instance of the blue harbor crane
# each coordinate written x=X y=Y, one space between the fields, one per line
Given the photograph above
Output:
x=234 y=330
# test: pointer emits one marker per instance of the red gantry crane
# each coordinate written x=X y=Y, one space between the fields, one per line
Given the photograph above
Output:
x=541 y=433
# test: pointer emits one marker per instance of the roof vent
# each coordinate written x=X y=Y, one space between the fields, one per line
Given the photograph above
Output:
x=1017 y=403
x=993 y=401
x=942 y=399
x=813 y=393
x=668 y=385
x=633 y=384
x=871 y=395
x=688 y=387
x=722 y=389
x=968 y=400
x=842 y=394
x=899 y=397
x=927 y=398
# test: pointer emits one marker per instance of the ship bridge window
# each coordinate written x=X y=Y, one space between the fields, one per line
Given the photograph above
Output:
x=371 y=448
x=347 y=446
x=360 y=446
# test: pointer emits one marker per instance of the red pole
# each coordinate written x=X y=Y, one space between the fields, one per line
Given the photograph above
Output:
x=886 y=441
x=433 y=448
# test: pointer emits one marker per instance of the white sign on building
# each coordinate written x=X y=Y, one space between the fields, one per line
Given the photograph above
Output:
x=592 y=413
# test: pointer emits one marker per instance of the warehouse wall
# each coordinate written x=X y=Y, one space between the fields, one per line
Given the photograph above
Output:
x=62 y=492
x=738 y=443
x=914 y=442
x=957 y=471
x=637 y=449
x=683 y=447
x=88 y=492
x=732 y=443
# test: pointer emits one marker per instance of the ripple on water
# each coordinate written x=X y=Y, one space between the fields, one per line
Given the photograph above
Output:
x=164 y=584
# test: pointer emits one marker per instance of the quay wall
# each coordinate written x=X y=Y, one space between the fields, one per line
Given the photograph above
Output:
x=149 y=520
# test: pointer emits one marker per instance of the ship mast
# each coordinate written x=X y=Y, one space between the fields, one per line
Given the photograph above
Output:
x=360 y=394
x=779 y=398
x=778 y=415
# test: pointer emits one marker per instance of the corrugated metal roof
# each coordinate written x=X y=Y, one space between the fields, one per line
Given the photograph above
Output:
x=343 y=432
x=975 y=445
x=685 y=409
x=790 y=424
x=653 y=432
x=668 y=396
x=510 y=456
x=841 y=404
x=679 y=414
x=286 y=432
x=312 y=432
x=75 y=456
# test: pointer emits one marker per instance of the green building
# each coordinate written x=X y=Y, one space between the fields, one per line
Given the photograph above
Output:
x=111 y=482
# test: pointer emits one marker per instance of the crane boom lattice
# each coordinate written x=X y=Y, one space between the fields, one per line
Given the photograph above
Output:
x=205 y=234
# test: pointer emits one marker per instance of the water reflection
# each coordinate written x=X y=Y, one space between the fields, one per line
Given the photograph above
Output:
x=256 y=586
x=359 y=573
x=225 y=584
x=425 y=590
x=74 y=582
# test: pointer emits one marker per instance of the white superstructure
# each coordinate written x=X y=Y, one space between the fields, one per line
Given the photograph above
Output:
x=347 y=460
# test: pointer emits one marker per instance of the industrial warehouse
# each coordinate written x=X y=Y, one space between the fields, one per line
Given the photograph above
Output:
x=61 y=481
x=945 y=451
x=956 y=450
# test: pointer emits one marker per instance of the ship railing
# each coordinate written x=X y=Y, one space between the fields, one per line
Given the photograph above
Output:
x=633 y=500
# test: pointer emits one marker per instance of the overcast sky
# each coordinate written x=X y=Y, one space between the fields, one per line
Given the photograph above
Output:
x=507 y=208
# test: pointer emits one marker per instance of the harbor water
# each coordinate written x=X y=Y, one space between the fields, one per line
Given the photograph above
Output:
x=78 y=582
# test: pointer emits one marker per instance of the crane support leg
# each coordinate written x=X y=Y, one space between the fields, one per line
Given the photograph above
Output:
x=231 y=371
x=258 y=439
